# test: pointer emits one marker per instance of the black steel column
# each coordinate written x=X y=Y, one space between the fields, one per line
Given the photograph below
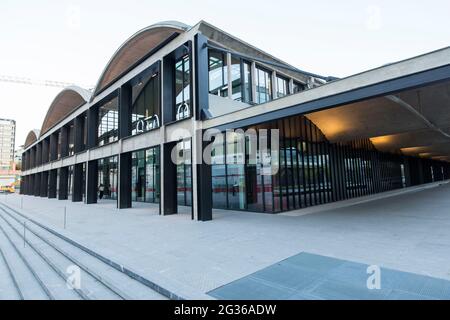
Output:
x=44 y=184
x=125 y=180
x=54 y=146
x=32 y=157
x=63 y=183
x=125 y=98
x=92 y=127
x=201 y=78
x=92 y=181
x=79 y=134
x=64 y=141
x=168 y=113
x=52 y=179
x=37 y=184
x=169 y=177
x=31 y=186
x=77 y=194
x=45 y=151
x=204 y=181
x=38 y=154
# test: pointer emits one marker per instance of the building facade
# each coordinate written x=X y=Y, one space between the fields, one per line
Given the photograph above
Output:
x=277 y=138
x=7 y=143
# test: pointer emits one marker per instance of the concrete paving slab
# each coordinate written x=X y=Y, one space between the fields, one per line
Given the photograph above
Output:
x=408 y=232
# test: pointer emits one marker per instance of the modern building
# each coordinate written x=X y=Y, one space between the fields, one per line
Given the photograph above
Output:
x=7 y=143
x=170 y=84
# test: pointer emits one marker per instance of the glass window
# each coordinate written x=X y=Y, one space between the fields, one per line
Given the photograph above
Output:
x=108 y=122
x=218 y=73
x=146 y=114
x=71 y=140
x=236 y=79
x=263 y=86
x=107 y=178
x=184 y=174
x=138 y=176
x=247 y=82
x=182 y=88
x=282 y=87
x=298 y=87
x=146 y=176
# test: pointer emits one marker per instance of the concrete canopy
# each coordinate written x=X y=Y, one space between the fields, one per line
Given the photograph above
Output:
x=414 y=122
x=67 y=101
x=136 y=48
x=32 y=137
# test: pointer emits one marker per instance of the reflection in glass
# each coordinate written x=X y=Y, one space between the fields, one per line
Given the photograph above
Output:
x=182 y=88
x=108 y=122
x=218 y=73
x=145 y=177
x=236 y=87
x=263 y=86
x=146 y=114
x=282 y=87
x=107 y=178
x=247 y=82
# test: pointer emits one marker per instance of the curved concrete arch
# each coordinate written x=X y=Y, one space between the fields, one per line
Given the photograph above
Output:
x=32 y=137
x=67 y=101
x=137 y=47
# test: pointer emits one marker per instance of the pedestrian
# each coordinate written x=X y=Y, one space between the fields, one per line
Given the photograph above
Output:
x=101 y=191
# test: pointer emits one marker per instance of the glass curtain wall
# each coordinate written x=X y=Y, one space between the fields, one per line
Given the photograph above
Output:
x=183 y=88
x=311 y=171
x=184 y=174
x=107 y=178
x=71 y=140
x=108 y=122
x=70 y=183
x=146 y=175
x=146 y=110
x=282 y=87
x=263 y=85
x=218 y=73
x=240 y=73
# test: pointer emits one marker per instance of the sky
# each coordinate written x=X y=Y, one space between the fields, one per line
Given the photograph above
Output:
x=72 y=41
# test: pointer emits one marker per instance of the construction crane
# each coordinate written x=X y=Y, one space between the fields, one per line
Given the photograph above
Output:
x=34 y=82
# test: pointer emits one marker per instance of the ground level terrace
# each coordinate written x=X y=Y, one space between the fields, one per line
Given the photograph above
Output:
x=373 y=132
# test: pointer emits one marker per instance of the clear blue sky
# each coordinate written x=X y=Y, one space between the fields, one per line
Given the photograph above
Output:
x=73 y=40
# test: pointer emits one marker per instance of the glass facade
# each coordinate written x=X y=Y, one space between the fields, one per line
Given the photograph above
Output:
x=311 y=170
x=146 y=110
x=218 y=73
x=108 y=122
x=70 y=183
x=263 y=85
x=298 y=87
x=71 y=140
x=184 y=174
x=282 y=87
x=247 y=79
x=107 y=178
x=145 y=175
x=182 y=88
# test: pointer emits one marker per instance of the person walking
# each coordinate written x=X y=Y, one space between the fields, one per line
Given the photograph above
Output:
x=101 y=191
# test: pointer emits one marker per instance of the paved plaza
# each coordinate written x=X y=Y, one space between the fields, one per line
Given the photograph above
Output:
x=408 y=231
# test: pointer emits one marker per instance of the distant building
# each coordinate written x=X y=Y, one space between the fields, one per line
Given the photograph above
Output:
x=7 y=143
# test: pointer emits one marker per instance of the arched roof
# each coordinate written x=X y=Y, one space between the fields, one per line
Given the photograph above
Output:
x=68 y=100
x=32 y=137
x=136 y=48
